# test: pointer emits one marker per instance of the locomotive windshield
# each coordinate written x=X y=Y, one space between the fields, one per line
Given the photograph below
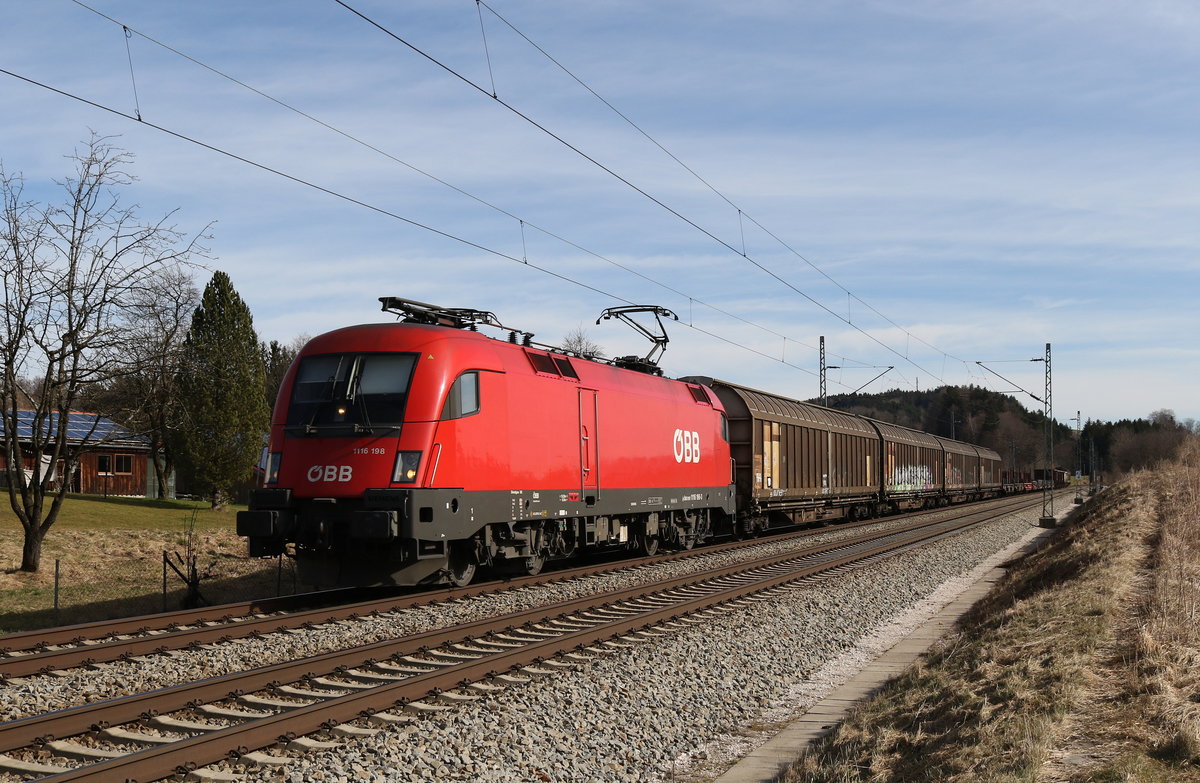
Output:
x=360 y=392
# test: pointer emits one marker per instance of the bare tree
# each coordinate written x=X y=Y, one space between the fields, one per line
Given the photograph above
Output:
x=146 y=398
x=73 y=275
x=578 y=343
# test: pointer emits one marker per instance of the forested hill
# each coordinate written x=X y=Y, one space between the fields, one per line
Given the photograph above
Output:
x=1001 y=422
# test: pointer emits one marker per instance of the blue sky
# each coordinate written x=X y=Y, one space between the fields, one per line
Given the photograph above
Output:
x=930 y=183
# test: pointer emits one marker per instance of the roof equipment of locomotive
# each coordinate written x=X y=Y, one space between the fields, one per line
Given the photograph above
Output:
x=649 y=362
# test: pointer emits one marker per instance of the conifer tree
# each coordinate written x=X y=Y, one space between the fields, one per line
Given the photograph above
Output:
x=222 y=385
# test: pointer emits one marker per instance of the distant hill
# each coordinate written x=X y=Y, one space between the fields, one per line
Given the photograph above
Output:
x=998 y=421
x=972 y=414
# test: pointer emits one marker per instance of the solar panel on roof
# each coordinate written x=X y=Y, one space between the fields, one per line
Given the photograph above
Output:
x=81 y=428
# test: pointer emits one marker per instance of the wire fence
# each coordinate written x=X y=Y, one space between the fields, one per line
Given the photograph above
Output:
x=133 y=587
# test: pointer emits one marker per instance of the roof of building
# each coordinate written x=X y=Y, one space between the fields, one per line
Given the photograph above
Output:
x=89 y=428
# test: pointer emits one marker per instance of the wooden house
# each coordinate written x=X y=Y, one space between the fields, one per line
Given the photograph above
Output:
x=115 y=461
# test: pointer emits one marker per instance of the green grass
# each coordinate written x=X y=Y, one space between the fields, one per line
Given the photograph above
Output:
x=86 y=512
x=110 y=553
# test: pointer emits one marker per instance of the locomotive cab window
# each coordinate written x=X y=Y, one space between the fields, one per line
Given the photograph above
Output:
x=351 y=390
x=463 y=399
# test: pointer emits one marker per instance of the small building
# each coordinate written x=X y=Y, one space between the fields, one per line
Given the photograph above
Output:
x=116 y=461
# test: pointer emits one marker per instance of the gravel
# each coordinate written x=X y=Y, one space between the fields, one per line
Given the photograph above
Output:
x=36 y=695
x=652 y=711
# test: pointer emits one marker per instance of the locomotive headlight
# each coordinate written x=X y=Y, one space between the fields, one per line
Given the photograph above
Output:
x=407 y=463
x=273 y=460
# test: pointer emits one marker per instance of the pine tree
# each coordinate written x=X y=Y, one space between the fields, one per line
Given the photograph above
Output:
x=222 y=384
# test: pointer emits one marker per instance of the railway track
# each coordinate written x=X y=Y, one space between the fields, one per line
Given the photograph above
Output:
x=39 y=652
x=338 y=691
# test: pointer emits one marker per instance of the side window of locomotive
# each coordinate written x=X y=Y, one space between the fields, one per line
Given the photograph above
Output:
x=724 y=428
x=463 y=399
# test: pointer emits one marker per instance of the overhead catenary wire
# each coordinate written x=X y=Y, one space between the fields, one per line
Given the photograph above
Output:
x=722 y=311
x=486 y=52
x=132 y=77
x=523 y=223
x=561 y=140
x=741 y=213
x=366 y=205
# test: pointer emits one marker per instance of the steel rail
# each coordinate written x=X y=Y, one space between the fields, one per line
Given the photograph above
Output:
x=69 y=722
x=165 y=621
x=231 y=626
x=76 y=720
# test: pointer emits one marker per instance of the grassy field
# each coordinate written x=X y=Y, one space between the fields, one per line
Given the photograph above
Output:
x=111 y=560
x=1084 y=665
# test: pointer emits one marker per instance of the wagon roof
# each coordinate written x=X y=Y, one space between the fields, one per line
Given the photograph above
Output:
x=775 y=408
x=894 y=433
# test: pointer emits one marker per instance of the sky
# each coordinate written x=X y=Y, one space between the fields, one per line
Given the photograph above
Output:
x=928 y=185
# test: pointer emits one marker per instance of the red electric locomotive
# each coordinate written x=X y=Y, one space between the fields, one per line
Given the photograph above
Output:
x=415 y=452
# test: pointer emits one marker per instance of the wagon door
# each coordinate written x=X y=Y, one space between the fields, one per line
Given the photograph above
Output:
x=589 y=446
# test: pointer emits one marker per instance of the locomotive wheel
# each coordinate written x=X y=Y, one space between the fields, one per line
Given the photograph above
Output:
x=461 y=566
x=648 y=545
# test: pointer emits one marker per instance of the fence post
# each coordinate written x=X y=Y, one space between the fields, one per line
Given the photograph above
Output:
x=57 y=575
x=164 y=561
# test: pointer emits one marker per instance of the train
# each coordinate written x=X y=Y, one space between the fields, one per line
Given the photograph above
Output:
x=423 y=450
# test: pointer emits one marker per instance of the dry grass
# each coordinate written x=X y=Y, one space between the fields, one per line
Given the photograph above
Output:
x=1083 y=665
x=1168 y=645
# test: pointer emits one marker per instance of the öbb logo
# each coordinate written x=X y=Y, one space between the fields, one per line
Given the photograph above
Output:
x=341 y=473
x=687 y=446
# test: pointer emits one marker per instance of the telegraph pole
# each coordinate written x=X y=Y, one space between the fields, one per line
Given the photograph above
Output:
x=1078 y=457
x=1094 y=478
x=1048 y=519
x=824 y=396
x=825 y=367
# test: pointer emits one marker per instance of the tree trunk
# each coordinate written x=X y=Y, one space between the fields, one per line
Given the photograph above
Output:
x=220 y=499
x=162 y=472
x=31 y=552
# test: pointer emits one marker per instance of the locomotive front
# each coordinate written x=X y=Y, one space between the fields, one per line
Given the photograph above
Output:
x=350 y=440
x=414 y=453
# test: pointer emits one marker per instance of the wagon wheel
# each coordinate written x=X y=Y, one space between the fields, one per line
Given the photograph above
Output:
x=461 y=565
x=534 y=564
x=685 y=536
